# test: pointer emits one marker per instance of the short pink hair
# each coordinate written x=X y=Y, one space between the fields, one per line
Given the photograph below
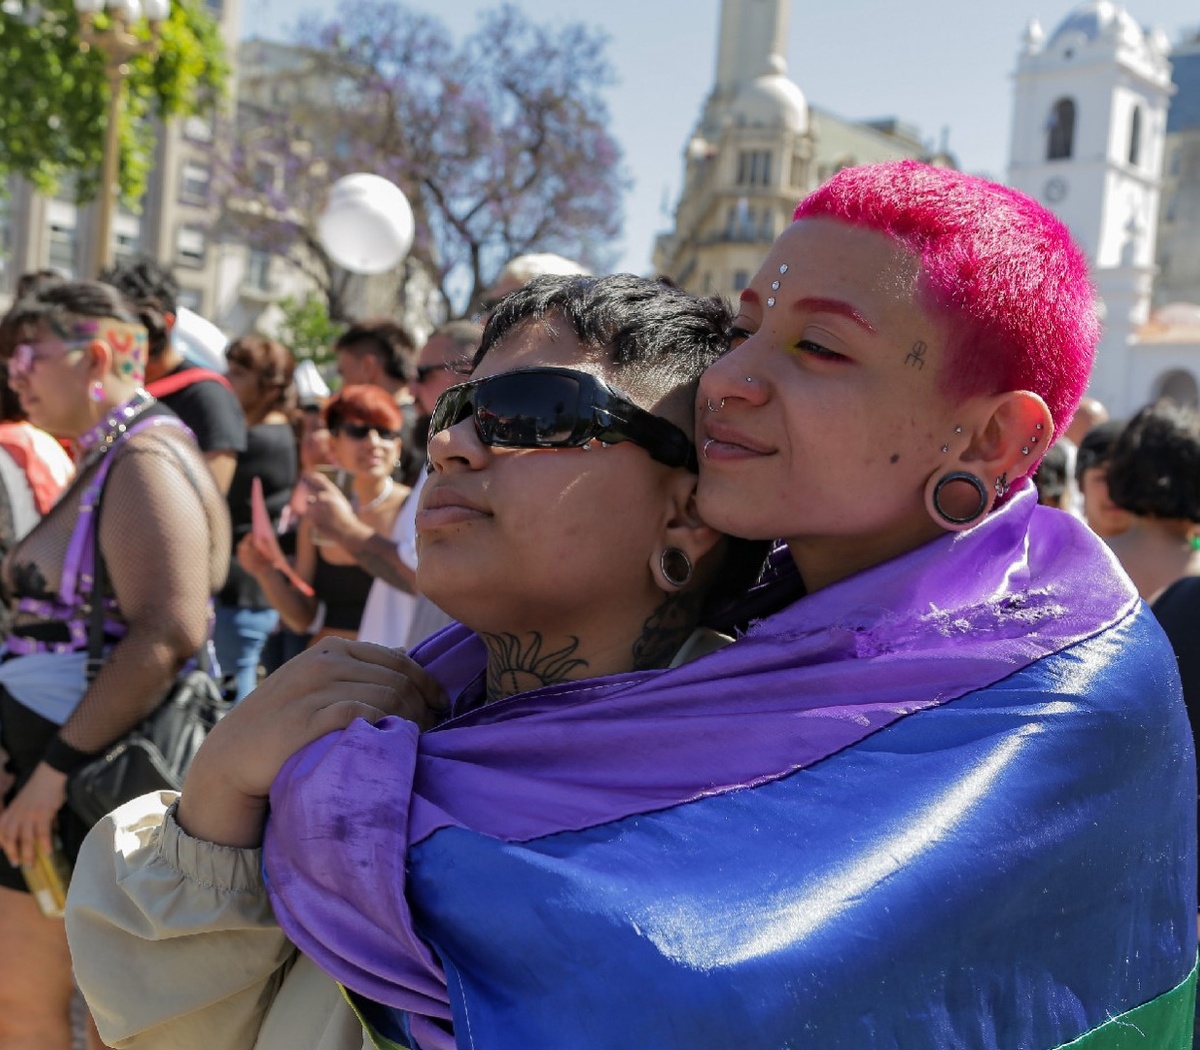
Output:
x=997 y=266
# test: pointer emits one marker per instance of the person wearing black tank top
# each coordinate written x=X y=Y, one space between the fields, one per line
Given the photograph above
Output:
x=326 y=592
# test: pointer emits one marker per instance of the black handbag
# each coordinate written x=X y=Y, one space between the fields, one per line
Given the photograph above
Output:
x=155 y=755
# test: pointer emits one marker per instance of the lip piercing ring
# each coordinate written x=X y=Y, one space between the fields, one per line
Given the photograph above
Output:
x=704 y=449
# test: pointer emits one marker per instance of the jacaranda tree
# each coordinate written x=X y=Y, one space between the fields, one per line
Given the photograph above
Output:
x=500 y=140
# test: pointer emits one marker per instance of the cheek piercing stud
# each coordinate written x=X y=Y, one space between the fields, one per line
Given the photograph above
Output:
x=945 y=448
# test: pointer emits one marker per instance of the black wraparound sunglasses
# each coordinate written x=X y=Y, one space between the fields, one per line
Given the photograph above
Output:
x=558 y=408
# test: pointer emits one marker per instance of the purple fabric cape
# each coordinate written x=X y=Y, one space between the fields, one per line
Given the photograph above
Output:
x=958 y=614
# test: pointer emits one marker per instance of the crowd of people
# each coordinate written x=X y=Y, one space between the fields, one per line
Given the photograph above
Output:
x=801 y=674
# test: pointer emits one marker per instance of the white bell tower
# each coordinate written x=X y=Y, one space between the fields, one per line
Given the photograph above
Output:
x=1089 y=126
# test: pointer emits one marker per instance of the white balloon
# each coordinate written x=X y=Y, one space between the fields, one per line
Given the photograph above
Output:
x=366 y=225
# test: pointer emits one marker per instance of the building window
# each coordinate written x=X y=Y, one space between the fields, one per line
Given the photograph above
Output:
x=1061 y=130
x=62 y=249
x=127 y=237
x=754 y=168
x=190 y=246
x=1173 y=167
x=258 y=270
x=740 y=279
x=198 y=127
x=194 y=183
x=1135 y=136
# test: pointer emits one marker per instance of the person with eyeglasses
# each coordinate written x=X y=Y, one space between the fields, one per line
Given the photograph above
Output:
x=327 y=591
x=144 y=501
x=390 y=616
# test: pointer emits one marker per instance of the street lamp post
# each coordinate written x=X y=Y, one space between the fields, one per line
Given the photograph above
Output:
x=118 y=45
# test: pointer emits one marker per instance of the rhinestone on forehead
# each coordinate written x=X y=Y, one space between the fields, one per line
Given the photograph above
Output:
x=774 y=286
x=783 y=268
x=771 y=300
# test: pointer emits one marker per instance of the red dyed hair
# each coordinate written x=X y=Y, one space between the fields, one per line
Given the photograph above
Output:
x=996 y=266
x=363 y=403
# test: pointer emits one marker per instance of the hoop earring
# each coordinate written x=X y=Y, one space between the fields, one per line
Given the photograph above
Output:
x=676 y=567
x=957 y=520
x=96 y=392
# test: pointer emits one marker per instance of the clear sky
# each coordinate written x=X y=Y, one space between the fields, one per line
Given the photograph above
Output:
x=936 y=64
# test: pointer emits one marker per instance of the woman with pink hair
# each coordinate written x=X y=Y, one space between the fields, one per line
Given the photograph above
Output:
x=942 y=796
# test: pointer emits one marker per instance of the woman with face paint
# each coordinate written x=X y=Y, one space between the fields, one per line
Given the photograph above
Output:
x=944 y=799
x=76 y=359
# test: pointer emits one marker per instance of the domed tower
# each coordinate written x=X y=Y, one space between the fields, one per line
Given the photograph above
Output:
x=747 y=162
x=1089 y=123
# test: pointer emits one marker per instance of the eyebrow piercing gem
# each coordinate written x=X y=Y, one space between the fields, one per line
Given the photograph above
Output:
x=783 y=268
x=771 y=300
x=774 y=286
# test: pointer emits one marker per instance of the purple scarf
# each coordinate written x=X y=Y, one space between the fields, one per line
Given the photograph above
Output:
x=951 y=617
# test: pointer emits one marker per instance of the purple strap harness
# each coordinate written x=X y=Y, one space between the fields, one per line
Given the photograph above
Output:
x=72 y=607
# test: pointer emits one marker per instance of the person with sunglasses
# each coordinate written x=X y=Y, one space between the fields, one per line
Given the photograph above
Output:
x=144 y=500
x=391 y=617
x=944 y=799
x=326 y=592
x=558 y=525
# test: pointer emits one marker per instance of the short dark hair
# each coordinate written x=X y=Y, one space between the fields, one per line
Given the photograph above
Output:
x=655 y=339
x=1050 y=478
x=1154 y=469
x=1096 y=446
x=153 y=291
x=52 y=304
x=388 y=340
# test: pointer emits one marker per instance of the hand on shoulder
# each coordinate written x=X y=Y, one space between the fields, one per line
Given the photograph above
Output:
x=320 y=691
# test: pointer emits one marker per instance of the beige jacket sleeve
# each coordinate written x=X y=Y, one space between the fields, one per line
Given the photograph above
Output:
x=175 y=947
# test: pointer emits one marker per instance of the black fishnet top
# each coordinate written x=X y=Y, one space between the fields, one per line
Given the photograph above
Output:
x=164 y=537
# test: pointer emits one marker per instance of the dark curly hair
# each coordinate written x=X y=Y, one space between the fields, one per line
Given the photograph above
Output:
x=1154 y=469
x=153 y=291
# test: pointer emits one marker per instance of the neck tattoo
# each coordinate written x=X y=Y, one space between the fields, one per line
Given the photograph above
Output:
x=516 y=665
x=664 y=633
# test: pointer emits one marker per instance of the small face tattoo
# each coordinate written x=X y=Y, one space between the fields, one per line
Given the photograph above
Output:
x=916 y=356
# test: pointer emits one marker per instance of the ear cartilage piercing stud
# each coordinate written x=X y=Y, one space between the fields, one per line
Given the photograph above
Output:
x=1033 y=440
x=1024 y=450
x=1037 y=426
